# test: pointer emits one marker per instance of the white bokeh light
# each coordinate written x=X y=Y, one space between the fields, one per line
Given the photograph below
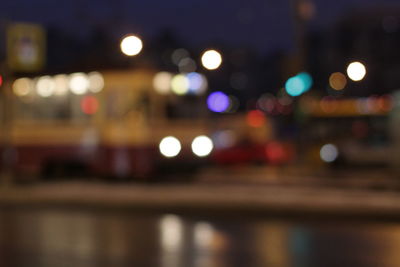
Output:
x=170 y=146
x=202 y=146
x=79 y=83
x=96 y=81
x=45 y=86
x=211 y=59
x=61 y=82
x=22 y=86
x=162 y=82
x=329 y=153
x=356 y=71
x=131 y=45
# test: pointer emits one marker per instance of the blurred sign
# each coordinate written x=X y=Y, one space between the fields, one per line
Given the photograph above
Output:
x=25 y=47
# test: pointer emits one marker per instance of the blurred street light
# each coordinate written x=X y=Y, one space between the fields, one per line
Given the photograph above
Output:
x=180 y=84
x=131 y=45
x=218 y=102
x=337 y=81
x=356 y=71
x=45 y=86
x=211 y=59
x=22 y=86
x=79 y=83
x=329 y=153
x=197 y=83
x=162 y=82
x=202 y=146
x=170 y=146
x=299 y=84
x=96 y=81
x=61 y=82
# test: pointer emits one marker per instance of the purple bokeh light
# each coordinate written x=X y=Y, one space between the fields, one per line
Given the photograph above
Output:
x=218 y=102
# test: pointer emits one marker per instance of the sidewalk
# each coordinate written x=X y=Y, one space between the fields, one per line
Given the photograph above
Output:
x=209 y=197
x=384 y=179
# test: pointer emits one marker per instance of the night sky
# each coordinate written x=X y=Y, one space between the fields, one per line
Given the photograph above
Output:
x=261 y=24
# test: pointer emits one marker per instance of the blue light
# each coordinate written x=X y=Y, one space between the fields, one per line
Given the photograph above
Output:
x=218 y=102
x=298 y=84
x=294 y=86
x=307 y=80
x=197 y=83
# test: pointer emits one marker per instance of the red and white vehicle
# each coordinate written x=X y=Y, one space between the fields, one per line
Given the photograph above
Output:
x=111 y=123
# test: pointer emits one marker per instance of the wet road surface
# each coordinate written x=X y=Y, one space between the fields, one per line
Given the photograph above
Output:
x=49 y=237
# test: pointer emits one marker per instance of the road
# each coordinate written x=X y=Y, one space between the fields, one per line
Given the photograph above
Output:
x=227 y=217
x=48 y=237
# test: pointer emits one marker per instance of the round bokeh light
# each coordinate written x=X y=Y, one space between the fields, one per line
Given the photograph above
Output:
x=356 y=71
x=202 y=146
x=170 y=146
x=131 y=45
x=45 y=86
x=218 y=102
x=79 y=83
x=329 y=153
x=162 y=82
x=298 y=84
x=197 y=83
x=180 y=84
x=211 y=59
x=22 y=86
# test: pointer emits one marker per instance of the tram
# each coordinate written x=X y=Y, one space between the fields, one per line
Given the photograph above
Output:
x=91 y=123
x=112 y=123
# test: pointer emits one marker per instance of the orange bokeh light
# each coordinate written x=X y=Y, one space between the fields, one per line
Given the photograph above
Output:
x=337 y=81
x=255 y=118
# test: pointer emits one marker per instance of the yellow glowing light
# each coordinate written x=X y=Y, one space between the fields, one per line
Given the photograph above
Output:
x=61 y=83
x=96 y=81
x=131 y=45
x=162 y=82
x=45 y=86
x=180 y=84
x=202 y=146
x=22 y=86
x=356 y=71
x=337 y=81
x=211 y=59
x=170 y=146
x=79 y=83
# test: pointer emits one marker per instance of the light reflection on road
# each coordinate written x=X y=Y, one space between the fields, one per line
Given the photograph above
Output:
x=47 y=238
